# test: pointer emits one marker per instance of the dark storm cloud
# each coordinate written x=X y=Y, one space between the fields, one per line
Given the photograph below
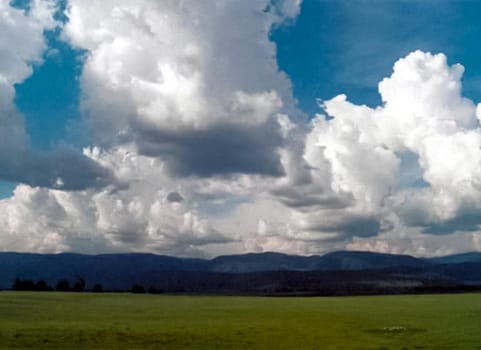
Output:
x=361 y=227
x=62 y=169
x=219 y=150
x=175 y=197
x=346 y=226
x=468 y=221
x=305 y=198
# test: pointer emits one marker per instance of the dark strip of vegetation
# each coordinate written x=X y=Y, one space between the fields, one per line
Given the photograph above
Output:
x=61 y=286
x=78 y=286
x=272 y=287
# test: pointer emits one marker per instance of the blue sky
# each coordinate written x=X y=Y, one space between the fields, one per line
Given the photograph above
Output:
x=349 y=46
x=49 y=98
x=191 y=106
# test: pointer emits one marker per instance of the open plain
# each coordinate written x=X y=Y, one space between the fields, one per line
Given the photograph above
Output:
x=125 y=321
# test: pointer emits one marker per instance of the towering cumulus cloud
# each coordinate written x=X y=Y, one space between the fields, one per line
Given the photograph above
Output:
x=188 y=110
x=412 y=162
x=195 y=83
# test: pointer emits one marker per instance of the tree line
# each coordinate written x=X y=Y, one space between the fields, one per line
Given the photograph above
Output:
x=61 y=286
x=79 y=285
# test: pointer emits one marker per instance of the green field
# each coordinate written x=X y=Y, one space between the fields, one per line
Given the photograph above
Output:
x=126 y=321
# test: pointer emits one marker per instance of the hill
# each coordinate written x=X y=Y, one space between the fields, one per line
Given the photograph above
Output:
x=343 y=272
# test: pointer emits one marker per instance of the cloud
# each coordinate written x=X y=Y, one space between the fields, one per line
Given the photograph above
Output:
x=22 y=38
x=29 y=221
x=219 y=150
x=22 y=44
x=148 y=215
x=196 y=84
x=199 y=148
x=170 y=89
x=416 y=157
x=174 y=197
x=64 y=169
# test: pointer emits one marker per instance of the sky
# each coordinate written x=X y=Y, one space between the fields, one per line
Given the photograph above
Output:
x=198 y=129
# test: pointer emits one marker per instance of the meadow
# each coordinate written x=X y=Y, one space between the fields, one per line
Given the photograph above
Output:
x=127 y=321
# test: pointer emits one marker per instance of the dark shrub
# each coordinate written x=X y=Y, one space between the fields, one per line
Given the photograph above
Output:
x=97 y=288
x=79 y=285
x=42 y=286
x=63 y=286
x=137 y=289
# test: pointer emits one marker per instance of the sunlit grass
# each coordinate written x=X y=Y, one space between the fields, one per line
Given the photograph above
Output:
x=125 y=321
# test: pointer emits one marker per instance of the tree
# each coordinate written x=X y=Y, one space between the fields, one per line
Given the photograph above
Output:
x=97 y=288
x=79 y=285
x=17 y=284
x=137 y=289
x=42 y=286
x=63 y=286
x=30 y=285
x=154 y=290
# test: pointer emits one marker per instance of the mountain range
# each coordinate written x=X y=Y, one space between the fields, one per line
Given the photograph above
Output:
x=343 y=272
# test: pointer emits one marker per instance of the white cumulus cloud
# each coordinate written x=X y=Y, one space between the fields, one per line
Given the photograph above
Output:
x=414 y=161
x=195 y=83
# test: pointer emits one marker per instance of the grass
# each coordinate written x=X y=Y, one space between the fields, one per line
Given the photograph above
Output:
x=126 y=321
